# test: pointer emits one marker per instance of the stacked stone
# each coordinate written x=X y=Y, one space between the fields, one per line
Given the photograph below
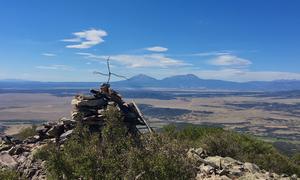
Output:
x=88 y=109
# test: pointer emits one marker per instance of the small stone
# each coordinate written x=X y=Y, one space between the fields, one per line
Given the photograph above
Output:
x=215 y=160
x=55 y=131
x=16 y=150
x=100 y=111
x=235 y=172
x=294 y=177
x=37 y=137
x=94 y=119
x=67 y=121
x=200 y=176
x=21 y=159
x=30 y=172
x=191 y=154
x=83 y=97
x=26 y=154
x=90 y=103
x=65 y=135
x=251 y=167
x=206 y=168
x=222 y=172
x=30 y=140
x=49 y=124
x=41 y=129
x=6 y=139
x=5 y=147
x=200 y=151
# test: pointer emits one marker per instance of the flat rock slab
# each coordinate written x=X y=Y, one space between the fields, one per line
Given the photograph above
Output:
x=7 y=160
x=66 y=135
x=89 y=103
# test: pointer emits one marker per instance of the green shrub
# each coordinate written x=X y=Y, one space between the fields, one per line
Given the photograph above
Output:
x=113 y=154
x=218 y=141
x=44 y=152
x=9 y=175
x=296 y=159
x=26 y=133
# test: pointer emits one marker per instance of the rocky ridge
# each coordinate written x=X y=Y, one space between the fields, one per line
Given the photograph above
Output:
x=226 y=168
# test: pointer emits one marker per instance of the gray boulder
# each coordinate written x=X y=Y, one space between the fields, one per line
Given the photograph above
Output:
x=7 y=160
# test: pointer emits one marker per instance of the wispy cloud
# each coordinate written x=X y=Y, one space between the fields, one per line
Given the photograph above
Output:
x=86 y=39
x=149 y=60
x=49 y=54
x=139 y=61
x=213 y=53
x=56 y=67
x=230 y=60
x=157 y=49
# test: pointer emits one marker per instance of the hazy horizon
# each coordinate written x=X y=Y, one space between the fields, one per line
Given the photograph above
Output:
x=120 y=79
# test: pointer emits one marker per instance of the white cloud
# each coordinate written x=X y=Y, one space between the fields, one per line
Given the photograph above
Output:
x=49 y=54
x=56 y=67
x=86 y=39
x=230 y=60
x=157 y=49
x=139 y=61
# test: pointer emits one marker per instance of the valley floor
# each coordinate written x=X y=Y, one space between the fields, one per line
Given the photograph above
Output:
x=273 y=116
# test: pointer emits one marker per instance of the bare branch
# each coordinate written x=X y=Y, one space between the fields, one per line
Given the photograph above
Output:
x=119 y=76
x=97 y=72
x=109 y=72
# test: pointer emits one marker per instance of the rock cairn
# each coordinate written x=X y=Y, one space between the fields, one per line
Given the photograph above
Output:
x=87 y=110
x=226 y=168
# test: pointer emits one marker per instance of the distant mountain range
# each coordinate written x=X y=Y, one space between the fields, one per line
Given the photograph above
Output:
x=188 y=81
x=191 y=81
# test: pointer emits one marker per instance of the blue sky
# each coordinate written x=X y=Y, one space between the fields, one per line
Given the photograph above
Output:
x=215 y=39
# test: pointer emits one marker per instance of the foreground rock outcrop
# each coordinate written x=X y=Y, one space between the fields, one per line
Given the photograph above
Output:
x=226 y=168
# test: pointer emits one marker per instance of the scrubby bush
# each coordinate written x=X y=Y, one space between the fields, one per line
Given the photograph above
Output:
x=113 y=154
x=296 y=158
x=26 y=133
x=243 y=147
x=43 y=152
x=9 y=175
